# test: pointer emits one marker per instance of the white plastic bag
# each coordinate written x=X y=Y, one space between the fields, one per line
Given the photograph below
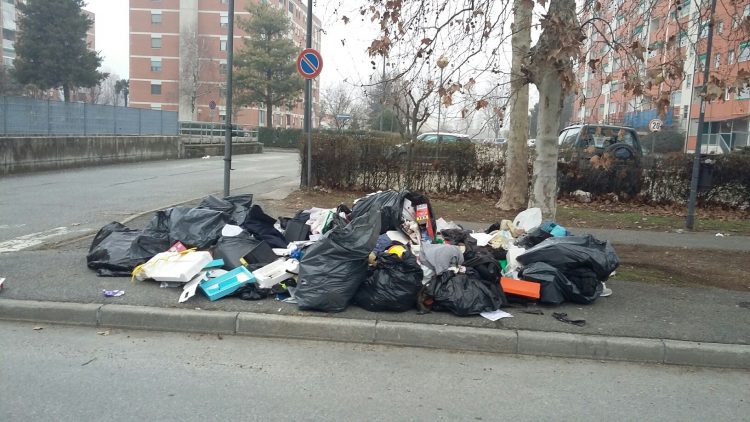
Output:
x=528 y=219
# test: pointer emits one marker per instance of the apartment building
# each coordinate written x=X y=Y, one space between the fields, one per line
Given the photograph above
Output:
x=8 y=16
x=178 y=59
x=674 y=34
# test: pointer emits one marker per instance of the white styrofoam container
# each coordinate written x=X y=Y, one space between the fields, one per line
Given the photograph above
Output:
x=174 y=266
x=273 y=273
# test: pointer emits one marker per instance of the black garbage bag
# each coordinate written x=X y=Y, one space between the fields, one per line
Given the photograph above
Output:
x=393 y=286
x=577 y=285
x=253 y=250
x=486 y=266
x=572 y=252
x=196 y=227
x=532 y=238
x=389 y=203
x=116 y=250
x=236 y=207
x=262 y=226
x=334 y=267
x=464 y=294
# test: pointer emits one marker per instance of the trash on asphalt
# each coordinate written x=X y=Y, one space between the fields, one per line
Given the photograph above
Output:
x=2 y=281
x=563 y=317
x=113 y=293
x=389 y=253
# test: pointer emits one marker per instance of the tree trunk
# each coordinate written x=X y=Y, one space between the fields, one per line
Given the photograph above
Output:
x=544 y=180
x=269 y=115
x=66 y=93
x=516 y=182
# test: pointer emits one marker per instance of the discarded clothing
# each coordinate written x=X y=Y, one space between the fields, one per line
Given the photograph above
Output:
x=261 y=225
x=439 y=258
x=562 y=316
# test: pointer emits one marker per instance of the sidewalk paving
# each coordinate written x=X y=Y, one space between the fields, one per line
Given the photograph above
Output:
x=635 y=310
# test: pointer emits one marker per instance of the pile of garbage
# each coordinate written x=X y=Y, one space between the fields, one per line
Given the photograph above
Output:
x=386 y=253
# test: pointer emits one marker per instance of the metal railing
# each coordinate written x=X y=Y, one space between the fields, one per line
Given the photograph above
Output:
x=215 y=132
x=32 y=117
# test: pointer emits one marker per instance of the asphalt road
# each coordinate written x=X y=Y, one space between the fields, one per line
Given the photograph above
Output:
x=49 y=206
x=74 y=374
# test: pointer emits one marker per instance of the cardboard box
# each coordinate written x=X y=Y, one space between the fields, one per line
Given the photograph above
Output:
x=225 y=285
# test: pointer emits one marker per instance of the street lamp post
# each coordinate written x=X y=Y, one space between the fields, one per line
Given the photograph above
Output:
x=441 y=63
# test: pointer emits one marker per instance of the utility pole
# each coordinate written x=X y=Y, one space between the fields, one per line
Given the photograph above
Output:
x=690 y=223
x=228 y=133
x=308 y=99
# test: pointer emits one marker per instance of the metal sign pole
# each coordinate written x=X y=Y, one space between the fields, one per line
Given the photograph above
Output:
x=228 y=133
x=308 y=99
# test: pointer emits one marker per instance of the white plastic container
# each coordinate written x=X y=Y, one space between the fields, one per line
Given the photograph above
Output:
x=273 y=273
x=174 y=266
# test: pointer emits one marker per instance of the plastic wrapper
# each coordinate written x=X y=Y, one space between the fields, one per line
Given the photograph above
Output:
x=334 y=267
x=556 y=287
x=393 y=286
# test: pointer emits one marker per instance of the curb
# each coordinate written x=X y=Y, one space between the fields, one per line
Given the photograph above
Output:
x=486 y=340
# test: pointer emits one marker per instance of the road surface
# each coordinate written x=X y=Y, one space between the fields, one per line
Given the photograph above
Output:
x=75 y=374
x=49 y=206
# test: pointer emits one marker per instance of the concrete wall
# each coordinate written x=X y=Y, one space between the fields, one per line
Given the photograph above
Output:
x=25 y=154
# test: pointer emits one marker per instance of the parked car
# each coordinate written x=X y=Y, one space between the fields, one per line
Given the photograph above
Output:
x=434 y=146
x=579 y=143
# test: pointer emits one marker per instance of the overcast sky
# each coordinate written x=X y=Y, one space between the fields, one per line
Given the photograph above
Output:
x=348 y=62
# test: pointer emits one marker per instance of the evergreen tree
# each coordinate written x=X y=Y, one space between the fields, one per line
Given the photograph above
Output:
x=51 y=46
x=266 y=71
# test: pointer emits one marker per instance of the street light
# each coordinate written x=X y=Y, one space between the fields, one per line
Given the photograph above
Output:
x=441 y=63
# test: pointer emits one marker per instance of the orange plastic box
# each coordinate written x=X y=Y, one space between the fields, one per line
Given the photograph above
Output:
x=512 y=286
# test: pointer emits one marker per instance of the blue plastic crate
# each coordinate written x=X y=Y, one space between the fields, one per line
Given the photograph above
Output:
x=225 y=285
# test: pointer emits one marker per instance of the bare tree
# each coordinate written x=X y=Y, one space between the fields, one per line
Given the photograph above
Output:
x=341 y=104
x=516 y=180
x=194 y=63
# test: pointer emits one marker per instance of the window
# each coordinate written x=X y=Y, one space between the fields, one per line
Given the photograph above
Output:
x=601 y=109
x=223 y=44
x=261 y=118
x=613 y=108
x=616 y=64
x=224 y=19
x=703 y=30
x=717 y=60
x=614 y=86
x=156 y=18
x=676 y=97
x=683 y=39
x=9 y=35
x=684 y=112
x=730 y=57
x=156 y=65
x=735 y=22
x=155 y=88
x=568 y=137
x=743 y=94
x=702 y=62
x=155 y=106
x=720 y=27
x=688 y=81
x=744 y=52
x=746 y=11
x=291 y=7
x=223 y=68
x=156 y=41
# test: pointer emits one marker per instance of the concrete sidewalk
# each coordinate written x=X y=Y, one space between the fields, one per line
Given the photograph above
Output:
x=640 y=322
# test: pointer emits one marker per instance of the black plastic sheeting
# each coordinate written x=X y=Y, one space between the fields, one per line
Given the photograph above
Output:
x=244 y=245
x=393 y=286
x=194 y=227
x=572 y=252
x=235 y=207
x=464 y=294
x=569 y=268
x=391 y=205
x=116 y=250
x=334 y=267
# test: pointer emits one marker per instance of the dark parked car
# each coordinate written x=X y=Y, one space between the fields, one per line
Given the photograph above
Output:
x=432 y=147
x=580 y=143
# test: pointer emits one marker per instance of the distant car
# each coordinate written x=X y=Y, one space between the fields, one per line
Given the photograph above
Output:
x=531 y=142
x=579 y=143
x=442 y=137
x=437 y=146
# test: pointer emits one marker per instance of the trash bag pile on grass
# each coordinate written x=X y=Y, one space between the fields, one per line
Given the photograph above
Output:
x=388 y=252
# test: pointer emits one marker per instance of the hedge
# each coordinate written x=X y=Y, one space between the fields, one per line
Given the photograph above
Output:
x=368 y=161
